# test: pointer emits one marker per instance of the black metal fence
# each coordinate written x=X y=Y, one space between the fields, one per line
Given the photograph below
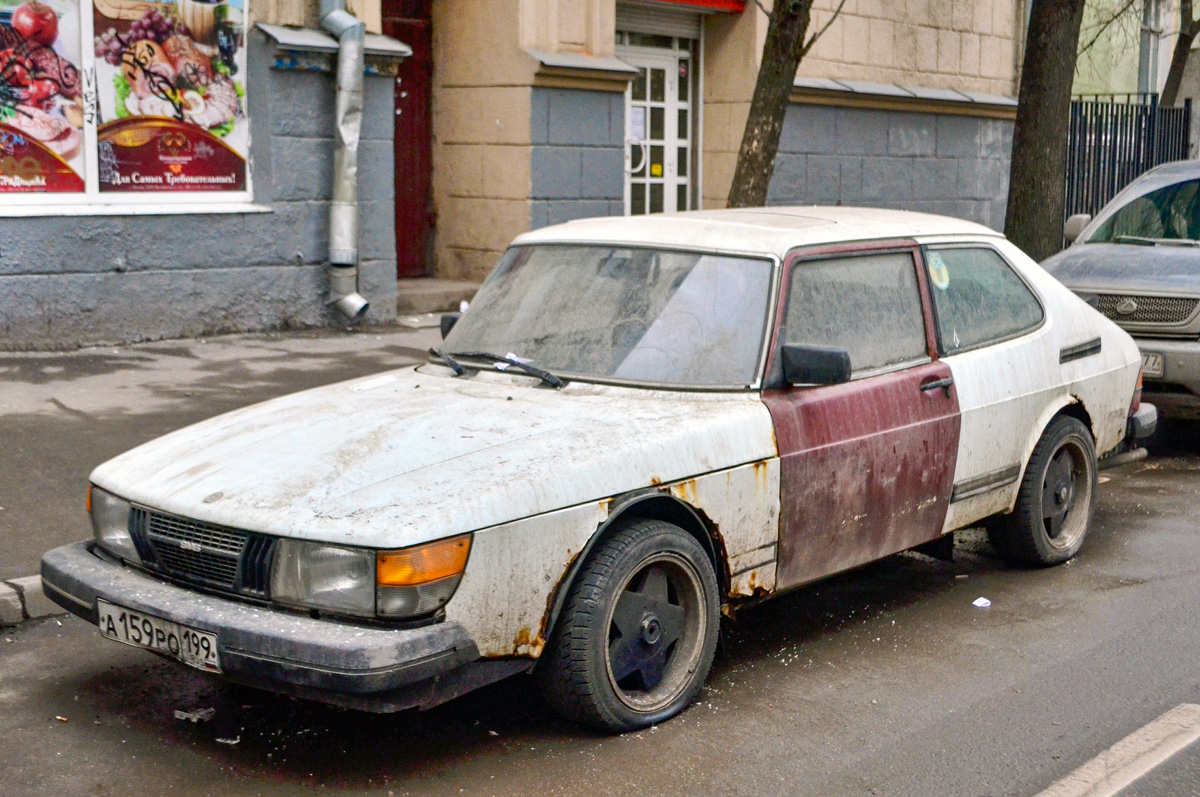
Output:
x=1115 y=137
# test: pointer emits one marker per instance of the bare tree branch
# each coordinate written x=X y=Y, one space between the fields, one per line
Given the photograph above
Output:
x=1103 y=25
x=762 y=8
x=808 y=44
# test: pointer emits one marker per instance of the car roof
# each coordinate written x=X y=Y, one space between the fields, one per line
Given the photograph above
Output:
x=767 y=230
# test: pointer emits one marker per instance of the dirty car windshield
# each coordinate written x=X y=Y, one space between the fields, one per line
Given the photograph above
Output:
x=1168 y=214
x=643 y=315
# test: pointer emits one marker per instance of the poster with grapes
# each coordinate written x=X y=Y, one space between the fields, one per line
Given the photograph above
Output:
x=41 y=106
x=170 y=79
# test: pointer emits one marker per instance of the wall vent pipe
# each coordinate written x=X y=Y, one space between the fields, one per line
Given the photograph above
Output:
x=343 y=209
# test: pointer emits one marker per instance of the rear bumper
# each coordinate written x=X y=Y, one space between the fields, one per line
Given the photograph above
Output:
x=339 y=662
x=1142 y=423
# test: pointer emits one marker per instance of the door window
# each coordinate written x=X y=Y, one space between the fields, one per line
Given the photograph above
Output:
x=978 y=298
x=658 y=123
x=869 y=305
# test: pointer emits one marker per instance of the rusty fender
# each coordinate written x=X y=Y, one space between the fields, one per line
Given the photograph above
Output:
x=520 y=573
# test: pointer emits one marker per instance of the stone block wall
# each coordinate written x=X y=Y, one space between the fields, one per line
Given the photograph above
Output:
x=68 y=281
x=953 y=44
x=577 y=160
x=934 y=163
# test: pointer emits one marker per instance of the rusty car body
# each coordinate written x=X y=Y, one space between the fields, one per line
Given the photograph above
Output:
x=638 y=424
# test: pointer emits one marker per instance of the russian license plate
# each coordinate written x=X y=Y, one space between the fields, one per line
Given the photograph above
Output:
x=1152 y=364
x=195 y=648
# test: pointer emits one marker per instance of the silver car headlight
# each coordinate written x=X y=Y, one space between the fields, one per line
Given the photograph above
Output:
x=326 y=577
x=110 y=523
x=409 y=582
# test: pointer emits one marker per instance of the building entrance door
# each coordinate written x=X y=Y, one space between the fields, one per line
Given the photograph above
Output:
x=409 y=21
x=659 y=124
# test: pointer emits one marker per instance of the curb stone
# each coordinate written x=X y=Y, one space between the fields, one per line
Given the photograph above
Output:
x=23 y=599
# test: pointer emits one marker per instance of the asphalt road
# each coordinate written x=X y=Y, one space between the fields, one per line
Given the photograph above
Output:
x=883 y=681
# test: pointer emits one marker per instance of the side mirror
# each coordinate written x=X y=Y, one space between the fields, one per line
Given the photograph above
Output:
x=448 y=322
x=815 y=365
x=1075 y=225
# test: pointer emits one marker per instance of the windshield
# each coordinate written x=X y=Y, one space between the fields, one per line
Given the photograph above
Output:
x=1166 y=215
x=644 y=315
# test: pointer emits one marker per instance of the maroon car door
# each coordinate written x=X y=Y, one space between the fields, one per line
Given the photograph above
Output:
x=866 y=466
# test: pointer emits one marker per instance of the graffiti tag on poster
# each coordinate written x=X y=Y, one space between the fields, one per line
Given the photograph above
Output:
x=41 y=109
x=172 y=101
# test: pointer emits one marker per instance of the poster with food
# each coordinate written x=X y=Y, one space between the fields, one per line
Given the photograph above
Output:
x=41 y=90
x=170 y=78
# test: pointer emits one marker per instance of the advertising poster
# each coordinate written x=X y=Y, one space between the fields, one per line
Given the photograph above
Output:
x=170 y=80
x=41 y=108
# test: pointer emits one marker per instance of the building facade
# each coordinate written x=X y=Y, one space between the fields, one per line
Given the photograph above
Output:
x=505 y=116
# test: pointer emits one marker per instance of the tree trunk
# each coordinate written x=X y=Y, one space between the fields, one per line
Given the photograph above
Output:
x=1188 y=29
x=760 y=141
x=1037 y=180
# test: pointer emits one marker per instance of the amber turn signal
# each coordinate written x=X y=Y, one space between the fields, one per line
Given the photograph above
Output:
x=422 y=563
x=89 y=499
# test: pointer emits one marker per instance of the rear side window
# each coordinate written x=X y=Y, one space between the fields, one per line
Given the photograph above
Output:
x=868 y=305
x=978 y=298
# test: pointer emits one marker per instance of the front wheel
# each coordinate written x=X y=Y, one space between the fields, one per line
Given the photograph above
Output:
x=1057 y=496
x=638 y=632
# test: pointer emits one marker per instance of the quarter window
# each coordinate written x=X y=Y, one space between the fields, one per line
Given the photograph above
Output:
x=978 y=298
x=868 y=305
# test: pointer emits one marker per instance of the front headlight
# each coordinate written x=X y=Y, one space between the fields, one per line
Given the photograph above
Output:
x=110 y=524
x=326 y=577
x=366 y=583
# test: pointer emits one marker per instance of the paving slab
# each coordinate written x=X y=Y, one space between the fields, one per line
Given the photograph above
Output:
x=33 y=599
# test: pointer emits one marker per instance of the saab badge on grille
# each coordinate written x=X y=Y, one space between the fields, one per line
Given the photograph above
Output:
x=188 y=545
x=1127 y=306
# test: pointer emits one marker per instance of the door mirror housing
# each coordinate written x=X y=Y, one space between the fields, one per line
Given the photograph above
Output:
x=815 y=365
x=448 y=322
x=1074 y=226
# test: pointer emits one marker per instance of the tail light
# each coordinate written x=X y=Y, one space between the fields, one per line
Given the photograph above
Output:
x=1137 y=395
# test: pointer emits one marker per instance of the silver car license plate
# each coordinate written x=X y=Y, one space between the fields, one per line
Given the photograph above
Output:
x=191 y=646
x=1152 y=364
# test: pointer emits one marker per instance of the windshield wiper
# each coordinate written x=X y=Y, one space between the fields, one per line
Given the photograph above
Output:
x=449 y=361
x=1144 y=241
x=532 y=370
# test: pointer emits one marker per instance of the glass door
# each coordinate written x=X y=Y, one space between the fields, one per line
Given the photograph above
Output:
x=658 y=126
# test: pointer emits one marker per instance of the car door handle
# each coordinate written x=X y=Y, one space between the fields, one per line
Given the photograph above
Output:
x=936 y=383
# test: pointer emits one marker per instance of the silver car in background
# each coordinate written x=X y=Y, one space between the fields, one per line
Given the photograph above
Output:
x=1138 y=262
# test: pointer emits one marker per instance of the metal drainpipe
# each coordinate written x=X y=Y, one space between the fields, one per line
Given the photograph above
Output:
x=343 y=210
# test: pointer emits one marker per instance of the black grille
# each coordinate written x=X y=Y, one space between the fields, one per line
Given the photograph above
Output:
x=229 y=560
x=1147 y=309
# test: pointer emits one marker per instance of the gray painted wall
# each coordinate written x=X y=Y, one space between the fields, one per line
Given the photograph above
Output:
x=67 y=281
x=577 y=162
x=934 y=163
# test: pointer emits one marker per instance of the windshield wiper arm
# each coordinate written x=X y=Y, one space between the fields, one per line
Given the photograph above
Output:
x=532 y=370
x=1147 y=241
x=449 y=361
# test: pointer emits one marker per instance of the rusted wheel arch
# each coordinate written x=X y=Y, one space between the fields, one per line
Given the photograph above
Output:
x=648 y=504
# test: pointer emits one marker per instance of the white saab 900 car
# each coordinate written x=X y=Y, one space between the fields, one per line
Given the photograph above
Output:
x=638 y=423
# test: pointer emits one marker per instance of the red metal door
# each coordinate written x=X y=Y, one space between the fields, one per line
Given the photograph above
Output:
x=409 y=21
x=866 y=467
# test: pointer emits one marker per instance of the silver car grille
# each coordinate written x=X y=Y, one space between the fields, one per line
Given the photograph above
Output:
x=1147 y=309
x=230 y=560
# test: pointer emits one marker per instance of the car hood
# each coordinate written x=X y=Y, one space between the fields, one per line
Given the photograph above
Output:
x=1127 y=267
x=413 y=455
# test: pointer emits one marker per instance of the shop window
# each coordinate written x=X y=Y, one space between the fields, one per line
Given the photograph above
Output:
x=115 y=102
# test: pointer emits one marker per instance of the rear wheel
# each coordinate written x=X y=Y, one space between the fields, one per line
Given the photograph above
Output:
x=1057 y=497
x=638 y=631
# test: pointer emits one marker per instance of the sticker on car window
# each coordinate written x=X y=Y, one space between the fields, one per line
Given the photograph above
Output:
x=938 y=272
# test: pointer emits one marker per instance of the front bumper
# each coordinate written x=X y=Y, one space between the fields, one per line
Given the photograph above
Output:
x=1177 y=392
x=369 y=667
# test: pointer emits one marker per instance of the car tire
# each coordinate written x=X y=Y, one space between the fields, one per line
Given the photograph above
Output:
x=638 y=631
x=1057 y=497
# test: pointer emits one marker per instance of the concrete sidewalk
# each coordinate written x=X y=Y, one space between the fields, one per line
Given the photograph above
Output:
x=63 y=413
